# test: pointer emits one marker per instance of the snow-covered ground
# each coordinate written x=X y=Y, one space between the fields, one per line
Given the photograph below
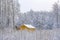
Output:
x=9 y=34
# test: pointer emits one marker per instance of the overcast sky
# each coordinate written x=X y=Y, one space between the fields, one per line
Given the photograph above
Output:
x=36 y=5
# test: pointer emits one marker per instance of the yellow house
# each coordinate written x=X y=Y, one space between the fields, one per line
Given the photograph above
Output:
x=26 y=27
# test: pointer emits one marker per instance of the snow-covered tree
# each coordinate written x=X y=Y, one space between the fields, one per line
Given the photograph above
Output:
x=8 y=9
x=56 y=15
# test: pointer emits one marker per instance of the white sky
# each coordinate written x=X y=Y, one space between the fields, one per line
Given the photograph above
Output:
x=36 y=5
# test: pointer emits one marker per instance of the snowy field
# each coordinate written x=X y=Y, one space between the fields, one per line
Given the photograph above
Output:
x=8 y=34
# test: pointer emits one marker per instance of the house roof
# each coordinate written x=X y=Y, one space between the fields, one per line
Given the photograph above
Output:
x=29 y=26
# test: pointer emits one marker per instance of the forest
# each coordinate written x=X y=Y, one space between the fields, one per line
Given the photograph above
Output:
x=41 y=19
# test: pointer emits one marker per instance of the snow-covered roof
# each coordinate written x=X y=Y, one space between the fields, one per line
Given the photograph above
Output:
x=29 y=26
